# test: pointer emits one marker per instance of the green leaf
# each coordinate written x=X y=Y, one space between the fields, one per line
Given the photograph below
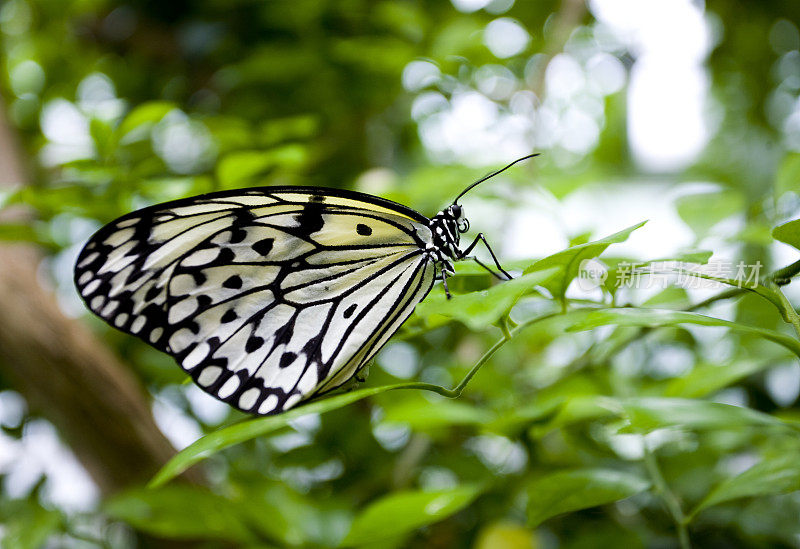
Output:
x=236 y=168
x=27 y=525
x=249 y=429
x=620 y=269
x=143 y=117
x=380 y=55
x=788 y=176
x=277 y=63
x=568 y=491
x=669 y=298
x=702 y=211
x=788 y=233
x=577 y=409
x=648 y=414
x=523 y=415
x=402 y=512
x=706 y=379
x=654 y=318
x=569 y=260
x=297 y=127
x=755 y=232
x=180 y=512
x=422 y=414
x=700 y=257
x=103 y=137
x=749 y=282
x=159 y=189
x=477 y=310
x=294 y=519
x=506 y=534
x=455 y=37
x=18 y=232
x=777 y=475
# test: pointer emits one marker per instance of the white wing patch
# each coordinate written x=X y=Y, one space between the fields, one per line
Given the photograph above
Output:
x=265 y=298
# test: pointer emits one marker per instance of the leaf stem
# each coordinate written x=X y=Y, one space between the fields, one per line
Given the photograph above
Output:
x=503 y=325
x=458 y=389
x=668 y=496
x=783 y=276
x=508 y=335
x=726 y=294
x=787 y=309
x=756 y=288
x=771 y=290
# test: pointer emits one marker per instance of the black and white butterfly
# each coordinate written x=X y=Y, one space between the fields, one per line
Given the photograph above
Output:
x=270 y=296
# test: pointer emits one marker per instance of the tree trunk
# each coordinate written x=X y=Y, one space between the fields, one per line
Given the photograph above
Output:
x=66 y=374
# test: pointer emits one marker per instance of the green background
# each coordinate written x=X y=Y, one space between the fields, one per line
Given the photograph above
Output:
x=615 y=417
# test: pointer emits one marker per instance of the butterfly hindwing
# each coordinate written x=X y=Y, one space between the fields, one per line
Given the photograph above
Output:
x=266 y=297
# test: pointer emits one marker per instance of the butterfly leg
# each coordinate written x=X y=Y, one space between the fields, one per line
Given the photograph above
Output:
x=444 y=282
x=480 y=238
x=485 y=266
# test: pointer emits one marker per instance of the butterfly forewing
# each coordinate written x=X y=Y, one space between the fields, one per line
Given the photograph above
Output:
x=266 y=297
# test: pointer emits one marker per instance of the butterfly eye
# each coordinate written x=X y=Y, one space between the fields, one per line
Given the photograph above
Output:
x=455 y=211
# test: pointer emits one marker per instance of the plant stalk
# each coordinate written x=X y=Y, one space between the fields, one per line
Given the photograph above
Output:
x=669 y=498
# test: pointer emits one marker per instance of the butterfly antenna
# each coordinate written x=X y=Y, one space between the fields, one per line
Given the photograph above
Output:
x=501 y=170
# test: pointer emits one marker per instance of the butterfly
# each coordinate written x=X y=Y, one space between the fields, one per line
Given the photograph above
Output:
x=271 y=296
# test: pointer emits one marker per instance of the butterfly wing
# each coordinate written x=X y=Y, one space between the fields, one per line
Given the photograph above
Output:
x=267 y=297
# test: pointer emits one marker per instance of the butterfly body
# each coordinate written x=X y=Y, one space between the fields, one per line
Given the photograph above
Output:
x=267 y=296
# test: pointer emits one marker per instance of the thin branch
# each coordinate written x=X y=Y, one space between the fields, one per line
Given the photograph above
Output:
x=456 y=391
x=668 y=497
x=783 y=276
x=787 y=309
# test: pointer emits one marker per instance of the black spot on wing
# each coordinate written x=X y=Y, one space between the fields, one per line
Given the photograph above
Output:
x=243 y=217
x=350 y=310
x=192 y=326
x=310 y=220
x=287 y=359
x=253 y=344
x=233 y=282
x=238 y=235
x=225 y=257
x=229 y=316
x=263 y=247
x=363 y=230
x=152 y=293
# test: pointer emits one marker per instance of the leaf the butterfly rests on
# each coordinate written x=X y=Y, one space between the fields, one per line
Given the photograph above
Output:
x=268 y=296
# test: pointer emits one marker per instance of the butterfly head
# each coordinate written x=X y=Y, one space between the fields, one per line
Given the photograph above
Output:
x=447 y=227
x=457 y=214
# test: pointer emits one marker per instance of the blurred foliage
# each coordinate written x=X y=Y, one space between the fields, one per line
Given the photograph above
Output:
x=597 y=418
